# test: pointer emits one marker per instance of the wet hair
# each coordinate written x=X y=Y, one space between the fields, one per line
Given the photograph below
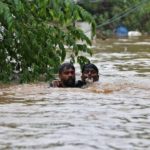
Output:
x=87 y=66
x=66 y=66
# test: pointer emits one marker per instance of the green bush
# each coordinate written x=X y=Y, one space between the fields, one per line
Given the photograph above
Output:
x=33 y=35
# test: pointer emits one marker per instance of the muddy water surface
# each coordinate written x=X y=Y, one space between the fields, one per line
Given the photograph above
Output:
x=113 y=114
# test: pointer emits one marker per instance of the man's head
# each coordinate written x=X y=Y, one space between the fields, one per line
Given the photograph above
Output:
x=90 y=73
x=67 y=75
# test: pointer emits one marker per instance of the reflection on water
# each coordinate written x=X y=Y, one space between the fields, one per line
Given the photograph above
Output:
x=113 y=114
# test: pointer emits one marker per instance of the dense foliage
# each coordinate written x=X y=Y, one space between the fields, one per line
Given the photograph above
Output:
x=134 y=14
x=33 y=36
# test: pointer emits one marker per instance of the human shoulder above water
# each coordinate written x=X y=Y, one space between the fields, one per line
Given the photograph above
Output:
x=67 y=77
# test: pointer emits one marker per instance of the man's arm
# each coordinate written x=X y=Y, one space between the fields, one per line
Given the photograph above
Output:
x=56 y=83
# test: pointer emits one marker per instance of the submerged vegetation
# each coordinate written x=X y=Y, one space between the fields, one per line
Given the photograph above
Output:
x=33 y=36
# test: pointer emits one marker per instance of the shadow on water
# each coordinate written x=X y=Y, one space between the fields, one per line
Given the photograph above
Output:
x=110 y=114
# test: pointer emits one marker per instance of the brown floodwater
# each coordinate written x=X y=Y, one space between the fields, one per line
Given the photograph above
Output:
x=113 y=114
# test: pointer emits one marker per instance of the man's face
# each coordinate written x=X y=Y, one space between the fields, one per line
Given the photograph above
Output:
x=67 y=76
x=90 y=74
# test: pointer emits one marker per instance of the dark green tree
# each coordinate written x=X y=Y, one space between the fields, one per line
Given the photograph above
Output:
x=33 y=36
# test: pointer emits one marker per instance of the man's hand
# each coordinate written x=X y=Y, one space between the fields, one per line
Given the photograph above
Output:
x=56 y=83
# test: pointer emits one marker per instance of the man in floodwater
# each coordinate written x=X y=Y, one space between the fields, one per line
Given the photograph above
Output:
x=90 y=74
x=66 y=76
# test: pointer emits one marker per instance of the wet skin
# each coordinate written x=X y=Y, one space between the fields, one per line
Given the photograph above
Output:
x=67 y=78
x=90 y=74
